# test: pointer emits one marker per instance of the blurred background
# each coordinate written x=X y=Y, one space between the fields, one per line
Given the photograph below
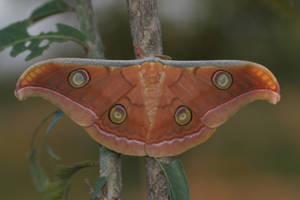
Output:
x=255 y=155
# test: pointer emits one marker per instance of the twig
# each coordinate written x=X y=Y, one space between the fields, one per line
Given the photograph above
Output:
x=89 y=186
x=110 y=167
x=110 y=162
x=146 y=34
x=145 y=26
x=88 y=26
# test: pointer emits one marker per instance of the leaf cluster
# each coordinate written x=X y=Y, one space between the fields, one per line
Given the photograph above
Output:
x=58 y=189
x=16 y=35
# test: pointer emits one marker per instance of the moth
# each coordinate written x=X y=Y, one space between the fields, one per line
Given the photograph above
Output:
x=150 y=106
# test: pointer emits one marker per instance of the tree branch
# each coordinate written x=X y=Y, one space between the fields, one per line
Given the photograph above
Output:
x=145 y=26
x=110 y=167
x=88 y=26
x=110 y=162
x=146 y=34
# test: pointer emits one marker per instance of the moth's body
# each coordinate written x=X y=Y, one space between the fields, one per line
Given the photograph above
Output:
x=151 y=79
x=146 y=97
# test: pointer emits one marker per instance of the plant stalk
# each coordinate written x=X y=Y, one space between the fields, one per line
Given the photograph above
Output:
x=110 y=162
x=146 y=35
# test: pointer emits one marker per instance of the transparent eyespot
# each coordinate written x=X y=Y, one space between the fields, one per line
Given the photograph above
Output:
x=183 y=115
x=78 y=78
x=222 y=79
x=117 y=114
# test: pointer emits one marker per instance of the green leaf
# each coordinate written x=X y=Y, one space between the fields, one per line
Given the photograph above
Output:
x=98 y=188
x=50 y=8
x=57 y=117
x=38 y=174
x=56 y=190
x=178 y=184
x=50 y=190
x=36 y=131
x=67 y=192
x=17 y=36
x=66 y=172
x=59 y=190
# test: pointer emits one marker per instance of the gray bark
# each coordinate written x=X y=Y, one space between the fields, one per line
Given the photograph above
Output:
x=146 y=34
x=110 y=162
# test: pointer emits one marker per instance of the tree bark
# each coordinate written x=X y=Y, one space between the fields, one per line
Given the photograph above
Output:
x=145 y=26
x=110 y=162
x=146 y=35
x=88 y=26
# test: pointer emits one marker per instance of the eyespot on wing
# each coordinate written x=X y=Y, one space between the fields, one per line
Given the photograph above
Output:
x=34 y=82
x=264 y=86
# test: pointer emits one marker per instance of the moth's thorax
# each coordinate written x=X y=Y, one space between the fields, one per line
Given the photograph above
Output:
x=152 y=75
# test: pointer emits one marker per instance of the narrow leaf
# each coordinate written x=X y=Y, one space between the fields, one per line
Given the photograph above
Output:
x=49 y=8
x=59 y=190
x=39 y=177
x=36 y=131
x=178 y=184
x=58 y=116
x=17 y=36
x=13 y=34
x=67 y=191
x=55 y=190
x=98 y=188
x=66 y=172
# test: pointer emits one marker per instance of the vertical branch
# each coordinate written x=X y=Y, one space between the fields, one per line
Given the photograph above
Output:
x=110 y=167
x=110 y=162
x=157 y=185
x=88 y=26
x=145 y=26
x=146 y=34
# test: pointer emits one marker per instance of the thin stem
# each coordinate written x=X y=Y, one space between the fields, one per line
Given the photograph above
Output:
x=145 y=26
x=110 y=167
x=110 y=162
x=88 y=26
x=146 y=34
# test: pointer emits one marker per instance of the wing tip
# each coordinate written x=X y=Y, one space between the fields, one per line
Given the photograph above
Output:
x=218 y=115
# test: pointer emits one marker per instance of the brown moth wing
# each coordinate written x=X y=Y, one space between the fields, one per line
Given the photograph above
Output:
x=210 y=106
x=151 y=90
x=88 y=106
x=250 y=82
x=128 y=137
x=166 y=138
